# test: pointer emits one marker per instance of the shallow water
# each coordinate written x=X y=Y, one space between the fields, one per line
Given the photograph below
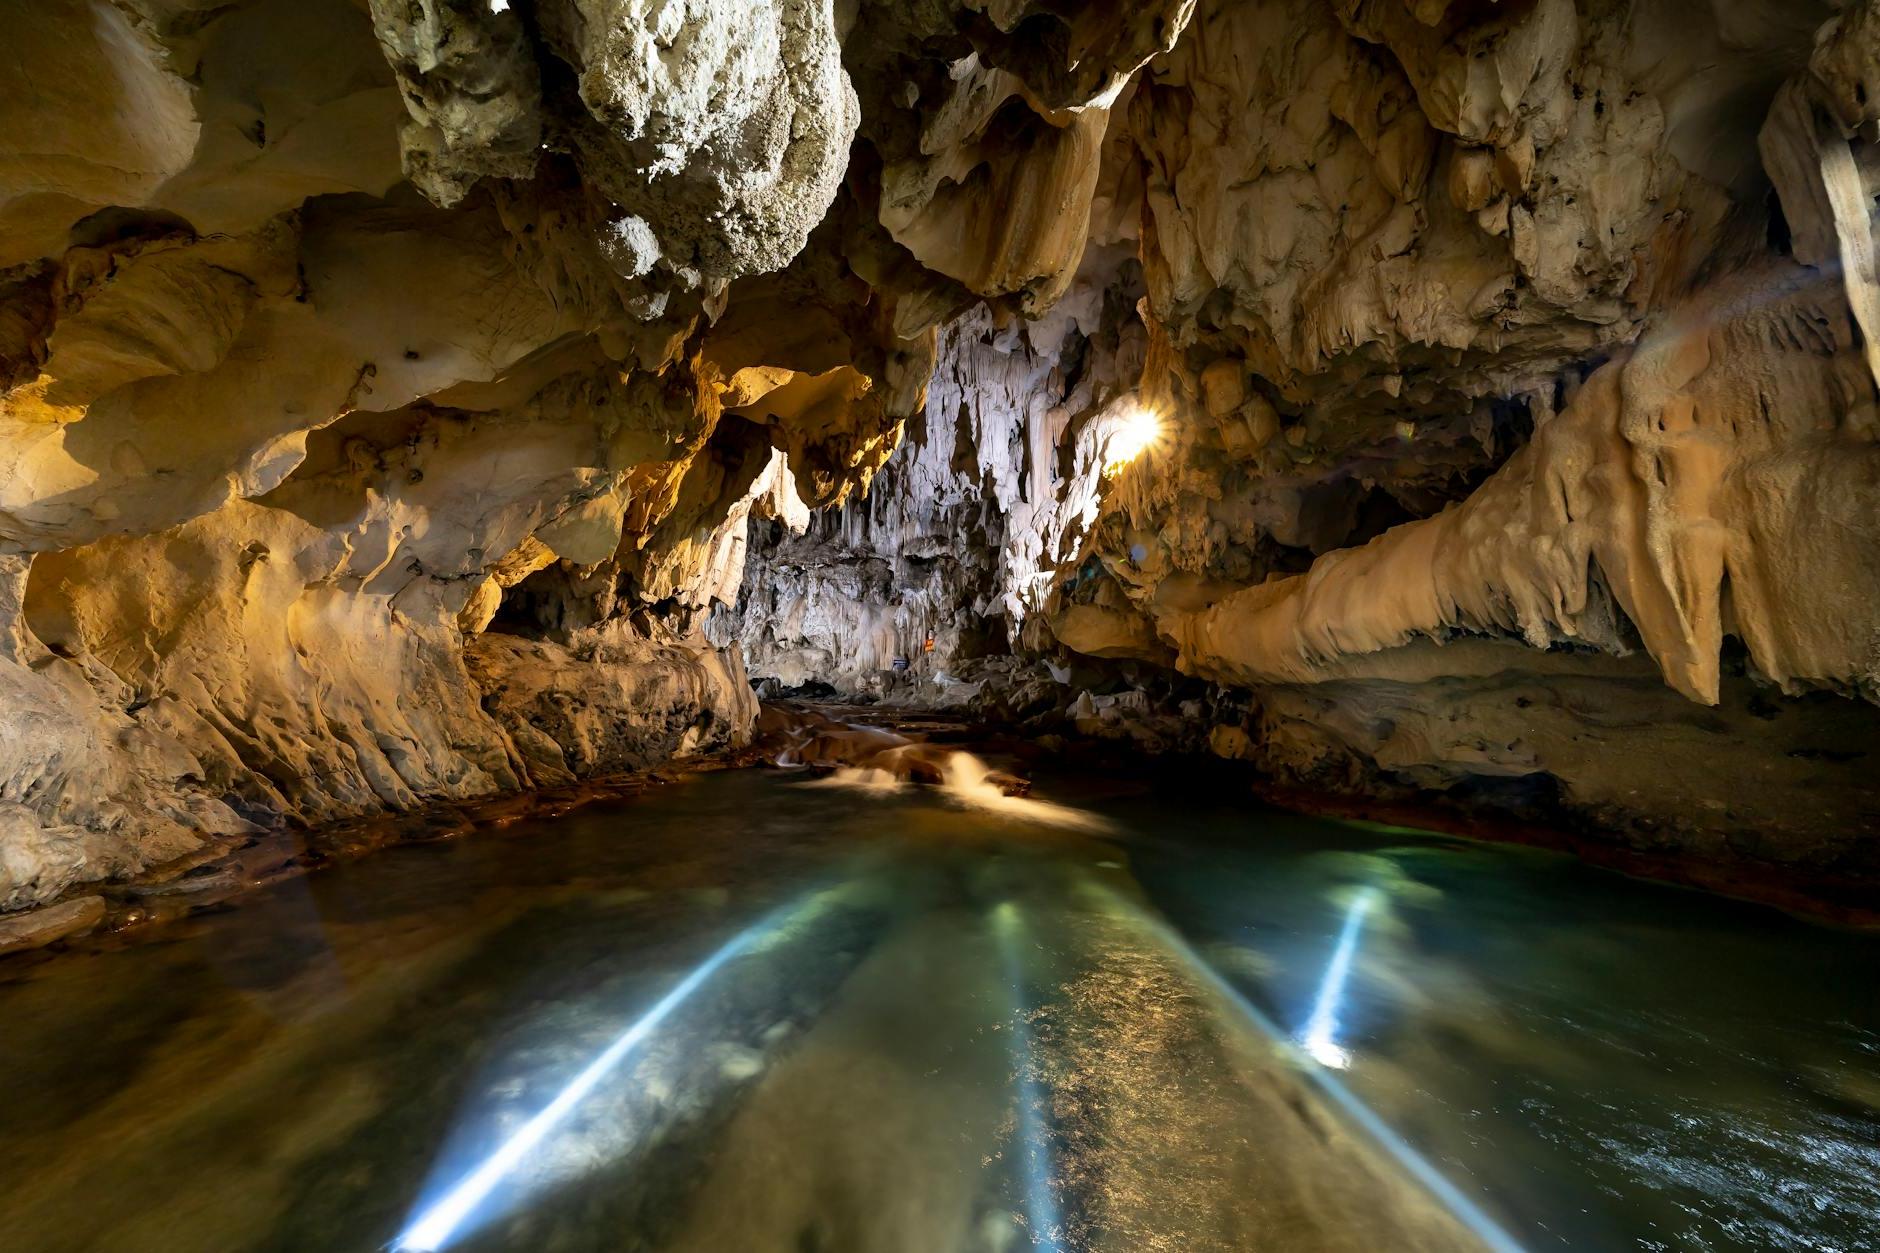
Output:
x=885 y=1021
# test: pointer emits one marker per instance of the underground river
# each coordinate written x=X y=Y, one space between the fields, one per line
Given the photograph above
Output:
x=752 y=1012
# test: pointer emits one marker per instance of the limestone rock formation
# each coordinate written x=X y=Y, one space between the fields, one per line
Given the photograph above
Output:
x=1504 y=407
x=407 y=400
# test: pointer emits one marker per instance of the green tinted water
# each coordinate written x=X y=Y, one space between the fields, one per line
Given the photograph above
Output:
x=908 y=1025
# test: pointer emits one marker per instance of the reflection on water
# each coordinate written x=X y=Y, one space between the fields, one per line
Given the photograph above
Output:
x=522 y=1152
x=746 y=1014
x=1320 y=1037
x=1032 y=1112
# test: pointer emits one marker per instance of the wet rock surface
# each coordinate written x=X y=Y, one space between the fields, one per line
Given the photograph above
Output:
x=36 y=928
x=802 y=736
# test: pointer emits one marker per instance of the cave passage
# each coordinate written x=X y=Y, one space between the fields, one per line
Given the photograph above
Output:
x=527 y=440
x=749 y=1011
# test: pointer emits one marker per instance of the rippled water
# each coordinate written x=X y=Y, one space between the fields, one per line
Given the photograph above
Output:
x=745 y=1014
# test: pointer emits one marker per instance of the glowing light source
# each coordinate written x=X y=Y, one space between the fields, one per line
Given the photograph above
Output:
x=437 y=1224
x=1320 y=1037
x=1130 y=436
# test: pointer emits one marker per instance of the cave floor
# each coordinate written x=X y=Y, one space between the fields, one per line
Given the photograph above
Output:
x=748 y=1012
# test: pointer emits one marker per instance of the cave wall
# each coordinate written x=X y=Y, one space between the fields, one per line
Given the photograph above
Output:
x=386 y=385
x=961 y=535
x=405 y=400
x=1517 y=416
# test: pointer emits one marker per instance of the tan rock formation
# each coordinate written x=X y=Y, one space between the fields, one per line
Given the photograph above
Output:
x=1460 y=324
x=398 y=396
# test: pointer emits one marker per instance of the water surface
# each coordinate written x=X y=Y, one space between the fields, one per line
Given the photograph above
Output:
x=876 y=1021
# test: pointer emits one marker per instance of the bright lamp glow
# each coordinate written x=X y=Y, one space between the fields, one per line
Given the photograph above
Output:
x=1131 y=436
x=1319 y=1040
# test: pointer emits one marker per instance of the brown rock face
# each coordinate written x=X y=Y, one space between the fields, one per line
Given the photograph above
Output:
x=417 y=400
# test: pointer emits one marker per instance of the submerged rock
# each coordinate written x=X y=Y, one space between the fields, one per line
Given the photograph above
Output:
x=792 y=735
x=36 y=928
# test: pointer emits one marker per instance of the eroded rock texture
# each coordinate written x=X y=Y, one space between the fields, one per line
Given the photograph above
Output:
x=1517 y=425
x=420 y=399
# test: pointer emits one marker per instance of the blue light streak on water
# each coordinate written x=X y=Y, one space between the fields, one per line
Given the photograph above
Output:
x=440 y=1222
x=1466 y=1212
x=1041 y=1207
x=1320 y=1037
